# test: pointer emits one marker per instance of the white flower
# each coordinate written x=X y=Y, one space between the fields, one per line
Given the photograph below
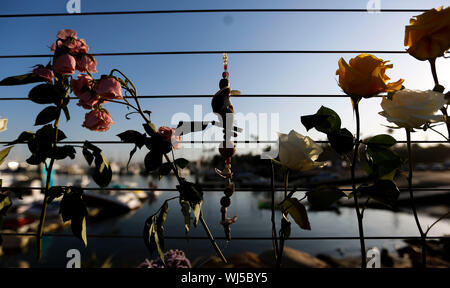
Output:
x=298 y=152
x=413 y=108
x=3 y=123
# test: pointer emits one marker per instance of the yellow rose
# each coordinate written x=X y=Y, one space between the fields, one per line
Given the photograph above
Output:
x=413 y=108
x=3 y=123
x=298 y=152
x=365 y=76
x=428 y=35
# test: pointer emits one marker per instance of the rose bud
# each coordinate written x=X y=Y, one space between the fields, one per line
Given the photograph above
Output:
x=98 y=120
x=82 y=84
x=86 y=63
x=79 y=47
x=53 y=46
x=87 y=100
x=66 y=33
x=364 y=76
x=65 y=64
x=168 y=135
x=44 y=73
x=109 y=89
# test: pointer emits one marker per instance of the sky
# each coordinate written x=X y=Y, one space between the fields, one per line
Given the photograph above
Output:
x=200 y=74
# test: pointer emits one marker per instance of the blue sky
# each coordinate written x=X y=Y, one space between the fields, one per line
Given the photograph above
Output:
x=199 y=74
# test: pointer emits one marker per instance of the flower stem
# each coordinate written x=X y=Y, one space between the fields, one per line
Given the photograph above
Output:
x=436 y=82
x=280 y=253
x=355 y=196
x=40 y=230
x=411 y=197
x=202 y=219
x=274 y=226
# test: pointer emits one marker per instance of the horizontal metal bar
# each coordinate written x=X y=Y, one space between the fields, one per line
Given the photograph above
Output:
x=215 y=11
x=236 y=142
x=218 y=189
x=136 y=236
x=220 y=52
x=344 y=96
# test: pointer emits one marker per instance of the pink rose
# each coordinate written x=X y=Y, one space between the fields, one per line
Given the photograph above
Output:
x=109 y=88
x=82 y=84
x=97 y=120
x=66 y=33
x=65 y=64
x=53 y=47
x=87 y=100
x=79 y=47
x=44 y=73
x=85 y=63
x=168 y=134
x=76 y=46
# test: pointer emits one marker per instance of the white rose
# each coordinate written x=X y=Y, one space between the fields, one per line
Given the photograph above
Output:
x=298 y=152
x=413 y=108
x=3 y=124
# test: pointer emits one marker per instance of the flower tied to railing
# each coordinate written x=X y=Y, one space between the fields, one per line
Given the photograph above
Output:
x=70 y=54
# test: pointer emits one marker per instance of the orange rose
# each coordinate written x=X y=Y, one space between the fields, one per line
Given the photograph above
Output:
x=428 y=35
x=365 y=76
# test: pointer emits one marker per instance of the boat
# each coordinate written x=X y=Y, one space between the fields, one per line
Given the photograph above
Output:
x=153 y=193
x=116 y=201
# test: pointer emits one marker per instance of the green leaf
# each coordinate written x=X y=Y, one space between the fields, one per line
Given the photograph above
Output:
x=66 y=112
x=48 y=132
x=36 y=159
x=5 y=203
x=190 y=192
x=88 y=156
x=197 y=211
x=150 y=128
x=55 y=192
x=153 y=160
x=324 y=196
x=297 y=212
x=131 y=155
x=383 y=191
x=384 y=161
x=341 y=141
x=285 y=230
x=131 y=136
x=102 y=173
x=73 y=208
x=160 y=221
x=149 y=231
x=186 y=210
x=63 y=152
x=181 y=162
x=381 y=141
x=47 y=115
x=158 y=246
x=21 y=80
x=325 y=120
x=23 y=137
x=92 y=147
x=4 y=153
x=165 y=169
x=44 y=94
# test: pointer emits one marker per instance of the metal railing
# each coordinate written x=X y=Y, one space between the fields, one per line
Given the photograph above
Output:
x=149 y=53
